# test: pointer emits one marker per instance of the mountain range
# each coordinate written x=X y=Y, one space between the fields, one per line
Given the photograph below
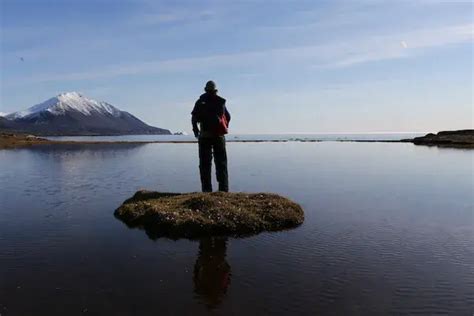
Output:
x=71 y=114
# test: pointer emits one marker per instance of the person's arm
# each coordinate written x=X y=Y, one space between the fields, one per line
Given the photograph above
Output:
x=195 y=119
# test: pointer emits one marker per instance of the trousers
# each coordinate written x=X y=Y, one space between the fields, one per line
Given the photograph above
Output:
x=209 y=147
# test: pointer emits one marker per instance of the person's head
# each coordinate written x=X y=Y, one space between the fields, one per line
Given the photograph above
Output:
x=210 y=87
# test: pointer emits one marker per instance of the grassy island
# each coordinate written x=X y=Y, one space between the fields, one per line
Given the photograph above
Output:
x=193 y=215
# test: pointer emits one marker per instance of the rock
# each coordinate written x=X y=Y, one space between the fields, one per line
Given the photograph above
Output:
x=193 y=215
x=461 y=138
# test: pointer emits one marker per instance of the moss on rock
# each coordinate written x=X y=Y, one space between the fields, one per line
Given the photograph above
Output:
x=193 y=215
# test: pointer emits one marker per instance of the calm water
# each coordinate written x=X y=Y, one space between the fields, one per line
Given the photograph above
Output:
x=231 y=137
x=389 y=229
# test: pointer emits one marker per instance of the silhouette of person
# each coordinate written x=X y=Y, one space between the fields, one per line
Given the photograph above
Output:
x=212 y=273
x=210 y=120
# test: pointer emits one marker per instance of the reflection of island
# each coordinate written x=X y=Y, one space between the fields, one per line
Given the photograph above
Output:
x=212 y=272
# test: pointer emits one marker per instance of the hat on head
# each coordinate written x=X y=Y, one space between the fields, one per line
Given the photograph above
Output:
x=210 y=86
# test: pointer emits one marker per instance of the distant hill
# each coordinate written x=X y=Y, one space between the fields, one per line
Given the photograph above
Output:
x=71 y=114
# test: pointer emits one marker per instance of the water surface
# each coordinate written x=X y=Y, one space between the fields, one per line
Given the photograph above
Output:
x=389 y=229
x=247 y=137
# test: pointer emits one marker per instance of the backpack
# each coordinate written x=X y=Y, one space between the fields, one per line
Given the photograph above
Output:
x=208 y=110
x=222 y=126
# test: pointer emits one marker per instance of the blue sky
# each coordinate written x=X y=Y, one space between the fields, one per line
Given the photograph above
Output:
x=284 y=66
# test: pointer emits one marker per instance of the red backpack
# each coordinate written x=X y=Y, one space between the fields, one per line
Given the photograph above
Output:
x=222 y=127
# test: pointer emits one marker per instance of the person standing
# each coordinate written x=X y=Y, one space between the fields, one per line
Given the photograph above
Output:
x=210 y=120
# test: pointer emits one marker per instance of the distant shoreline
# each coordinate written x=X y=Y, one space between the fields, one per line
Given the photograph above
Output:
x=455 y=139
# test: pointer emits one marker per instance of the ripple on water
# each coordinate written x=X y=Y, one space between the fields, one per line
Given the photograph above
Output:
x=379 y=238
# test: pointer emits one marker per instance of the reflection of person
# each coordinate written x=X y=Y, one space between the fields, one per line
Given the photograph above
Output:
x=211 y=271
x=210 y=120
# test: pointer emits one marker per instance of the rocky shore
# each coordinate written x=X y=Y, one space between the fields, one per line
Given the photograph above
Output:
x=194 y=215
x=19 y=140
x=461 y=138
x=9 y=140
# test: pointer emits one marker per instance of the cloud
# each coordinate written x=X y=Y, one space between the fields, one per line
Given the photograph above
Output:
x=391 y=46
x=173 y=16
x=328 y=55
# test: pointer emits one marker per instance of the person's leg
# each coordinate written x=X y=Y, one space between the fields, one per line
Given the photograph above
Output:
x=205 y=163
x=220 y=160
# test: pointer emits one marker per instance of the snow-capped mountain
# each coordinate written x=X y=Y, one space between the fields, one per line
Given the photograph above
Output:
x=72 y=113
x=69 y=101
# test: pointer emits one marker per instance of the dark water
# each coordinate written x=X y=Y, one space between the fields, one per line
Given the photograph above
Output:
x=389 y=229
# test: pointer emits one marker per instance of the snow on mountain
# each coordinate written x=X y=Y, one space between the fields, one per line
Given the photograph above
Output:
x=3 y=114
x=72 y=113
x=69 y=101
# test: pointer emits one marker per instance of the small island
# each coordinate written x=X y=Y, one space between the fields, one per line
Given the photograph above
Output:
x=194 y=215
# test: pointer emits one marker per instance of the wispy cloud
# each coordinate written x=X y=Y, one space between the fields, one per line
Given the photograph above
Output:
x=171 y=16
x=327 y=55
x=402 y=45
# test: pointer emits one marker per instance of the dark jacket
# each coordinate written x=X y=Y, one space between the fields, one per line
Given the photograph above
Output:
x=207 y=111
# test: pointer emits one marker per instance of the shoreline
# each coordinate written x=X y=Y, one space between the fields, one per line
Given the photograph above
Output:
x=17 y=140
x=11 y=141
